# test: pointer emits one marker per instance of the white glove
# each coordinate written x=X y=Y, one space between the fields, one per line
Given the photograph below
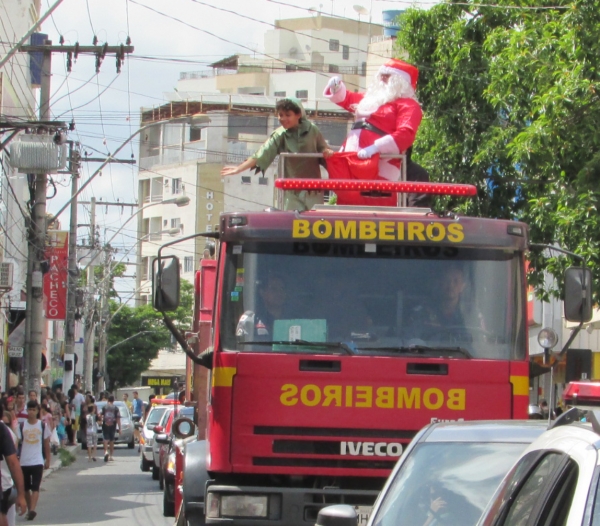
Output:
x=368 y=152
x=334 y=85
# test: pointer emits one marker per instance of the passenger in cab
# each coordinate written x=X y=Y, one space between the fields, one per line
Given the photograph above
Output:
x=271 y=305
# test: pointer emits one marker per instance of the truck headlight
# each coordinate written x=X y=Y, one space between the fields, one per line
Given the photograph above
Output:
x=237 y=505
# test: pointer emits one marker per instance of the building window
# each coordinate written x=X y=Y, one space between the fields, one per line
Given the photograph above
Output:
x=156 y=189
x=345 y=52
x=334 y=45
x=334 y=68
x=144 y=268
x=302 y=94
x=195 y=133
x=188 y=264
x=176 y=186
x=279 y=94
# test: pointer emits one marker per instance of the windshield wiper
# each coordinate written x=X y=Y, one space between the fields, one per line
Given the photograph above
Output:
x=421 y=349
x=304 y=343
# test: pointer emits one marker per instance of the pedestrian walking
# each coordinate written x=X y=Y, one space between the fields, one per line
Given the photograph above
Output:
x=9 y=489
x=111 y=424
x=91 y=432
x=34 y=455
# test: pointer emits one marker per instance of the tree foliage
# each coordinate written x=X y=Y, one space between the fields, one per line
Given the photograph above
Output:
x=511 y=104
x=128 y=360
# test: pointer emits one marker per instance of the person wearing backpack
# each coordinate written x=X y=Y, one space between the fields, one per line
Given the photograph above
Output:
x=34 y=455
x=111 y=424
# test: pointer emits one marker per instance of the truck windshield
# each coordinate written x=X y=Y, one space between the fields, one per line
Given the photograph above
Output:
x=382 y=300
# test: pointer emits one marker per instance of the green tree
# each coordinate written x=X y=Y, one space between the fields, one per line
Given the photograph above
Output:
x=511 y=104
x=136 y=334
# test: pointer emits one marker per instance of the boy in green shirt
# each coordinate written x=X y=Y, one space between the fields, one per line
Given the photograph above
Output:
x=295 y=135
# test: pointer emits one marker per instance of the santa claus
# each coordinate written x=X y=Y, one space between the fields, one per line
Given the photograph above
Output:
x=387 y=114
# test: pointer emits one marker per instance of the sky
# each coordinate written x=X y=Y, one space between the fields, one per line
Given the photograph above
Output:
x=169 y=37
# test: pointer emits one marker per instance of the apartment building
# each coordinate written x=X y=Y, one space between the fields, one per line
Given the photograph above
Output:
x=222 y=115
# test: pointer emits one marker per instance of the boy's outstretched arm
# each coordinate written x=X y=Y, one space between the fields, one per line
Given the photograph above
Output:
x=246 y=165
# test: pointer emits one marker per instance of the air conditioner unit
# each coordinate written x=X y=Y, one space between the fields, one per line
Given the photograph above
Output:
x=6 y=276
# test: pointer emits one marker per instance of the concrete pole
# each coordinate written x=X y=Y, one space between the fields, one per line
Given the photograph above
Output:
x=89 y=324
x=104 y=321
x=69 y=357
x=36 y=251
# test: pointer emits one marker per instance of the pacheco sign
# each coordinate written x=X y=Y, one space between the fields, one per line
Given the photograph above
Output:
x=55 y=280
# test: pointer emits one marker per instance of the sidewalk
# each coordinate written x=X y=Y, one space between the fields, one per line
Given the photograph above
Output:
x=56 y=462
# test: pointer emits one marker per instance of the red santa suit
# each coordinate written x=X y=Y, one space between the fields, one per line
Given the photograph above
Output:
x=389 y=129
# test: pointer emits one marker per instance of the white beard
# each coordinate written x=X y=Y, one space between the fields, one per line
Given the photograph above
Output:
x=380 y=93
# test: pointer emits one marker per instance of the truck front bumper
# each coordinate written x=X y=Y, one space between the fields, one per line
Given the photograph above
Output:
x=272 y=506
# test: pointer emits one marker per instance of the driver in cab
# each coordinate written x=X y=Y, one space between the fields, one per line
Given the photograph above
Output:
x=443 y=311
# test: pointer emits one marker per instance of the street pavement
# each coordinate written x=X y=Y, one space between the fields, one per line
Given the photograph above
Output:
x=115 y=493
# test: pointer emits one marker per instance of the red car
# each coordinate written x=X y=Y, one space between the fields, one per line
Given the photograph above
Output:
x=167 y=457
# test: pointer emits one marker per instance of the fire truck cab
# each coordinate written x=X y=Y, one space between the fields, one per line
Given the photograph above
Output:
x=332 y=336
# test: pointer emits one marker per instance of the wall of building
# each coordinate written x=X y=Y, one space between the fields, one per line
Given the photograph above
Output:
x=17 y=99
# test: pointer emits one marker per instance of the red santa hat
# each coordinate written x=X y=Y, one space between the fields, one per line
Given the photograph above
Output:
x=399 y=67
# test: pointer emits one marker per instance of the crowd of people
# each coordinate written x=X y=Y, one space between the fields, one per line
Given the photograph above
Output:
x=33 y=429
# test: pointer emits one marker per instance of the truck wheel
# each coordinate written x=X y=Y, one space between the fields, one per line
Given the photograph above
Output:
x=195 y=520
x=161 y=483
x=154 y=473
x=144 y=464
x=168 y=506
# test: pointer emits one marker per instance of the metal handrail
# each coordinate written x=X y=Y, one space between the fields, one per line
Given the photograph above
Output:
x=402 y=198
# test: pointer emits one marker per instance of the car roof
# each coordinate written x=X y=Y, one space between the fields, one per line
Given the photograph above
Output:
x=500 y=431
x=567 y=438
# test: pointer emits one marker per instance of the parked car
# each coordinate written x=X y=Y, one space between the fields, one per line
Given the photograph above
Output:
x=446 y=476
x=167 y=459
x=125 y=434
x=159 y=429
x=556 y=481
x=154 y=418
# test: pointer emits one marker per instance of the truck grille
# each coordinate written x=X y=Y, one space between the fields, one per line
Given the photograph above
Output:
x=324 y=463
x=334 y=432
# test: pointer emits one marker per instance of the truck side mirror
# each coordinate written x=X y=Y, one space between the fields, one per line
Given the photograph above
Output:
x=337 y=515
x=165 y=284
x=578 y=294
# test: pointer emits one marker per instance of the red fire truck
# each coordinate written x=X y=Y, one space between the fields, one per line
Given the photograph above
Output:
x=334 y=335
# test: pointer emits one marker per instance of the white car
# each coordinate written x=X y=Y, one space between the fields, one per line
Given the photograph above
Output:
x=445 y=476
x=155 y=417
x=556 y=482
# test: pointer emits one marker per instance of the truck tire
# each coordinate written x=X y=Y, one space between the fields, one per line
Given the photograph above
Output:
x=195 y=520
x=154 y=473
x=161 y=484
x=144 y=464
x=195 y=478
x=168 y=506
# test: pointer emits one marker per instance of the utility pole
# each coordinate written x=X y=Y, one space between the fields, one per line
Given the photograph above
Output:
x=104 y=317
x=69 y=356
x=35 y=252
x=37 y=228
x=88 y=363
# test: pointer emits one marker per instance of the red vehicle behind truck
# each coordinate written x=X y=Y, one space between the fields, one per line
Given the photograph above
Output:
x=331 y=343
